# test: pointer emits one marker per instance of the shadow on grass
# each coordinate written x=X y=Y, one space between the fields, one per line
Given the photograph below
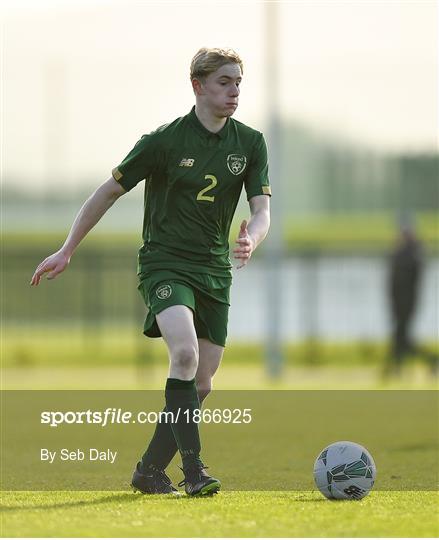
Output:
x=122 y=497
x=133 y=498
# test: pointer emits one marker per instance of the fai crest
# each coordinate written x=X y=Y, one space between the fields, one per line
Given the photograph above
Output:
x=236 y=163
x=163 y=292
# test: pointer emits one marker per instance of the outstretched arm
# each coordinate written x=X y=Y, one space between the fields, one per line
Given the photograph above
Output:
x=252 y=233
x=91 y=212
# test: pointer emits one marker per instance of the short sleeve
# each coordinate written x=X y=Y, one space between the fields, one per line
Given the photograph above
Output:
x=256 y=181
x=139 y=163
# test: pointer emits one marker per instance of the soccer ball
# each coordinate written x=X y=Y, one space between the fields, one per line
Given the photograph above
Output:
x=344 y=470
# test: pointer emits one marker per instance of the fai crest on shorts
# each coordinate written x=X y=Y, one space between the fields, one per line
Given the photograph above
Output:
x=163 y=292
x=236 y=163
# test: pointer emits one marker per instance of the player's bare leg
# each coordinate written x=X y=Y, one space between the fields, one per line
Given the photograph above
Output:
x=210 y=356
x=176 y=324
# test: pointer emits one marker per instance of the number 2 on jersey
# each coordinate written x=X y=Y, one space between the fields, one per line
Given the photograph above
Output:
x=201 y=194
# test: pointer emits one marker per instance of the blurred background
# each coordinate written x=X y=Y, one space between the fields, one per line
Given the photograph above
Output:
x=343 y=293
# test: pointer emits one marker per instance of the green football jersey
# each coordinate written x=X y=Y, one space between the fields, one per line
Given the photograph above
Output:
x=193 y=182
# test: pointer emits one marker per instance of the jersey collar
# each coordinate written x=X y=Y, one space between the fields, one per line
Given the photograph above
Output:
x=222 y=133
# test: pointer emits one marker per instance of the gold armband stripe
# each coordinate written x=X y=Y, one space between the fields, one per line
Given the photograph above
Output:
x=266 y=190
x=117 y=175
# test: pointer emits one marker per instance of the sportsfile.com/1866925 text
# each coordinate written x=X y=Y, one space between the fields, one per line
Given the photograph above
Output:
x=113 y=415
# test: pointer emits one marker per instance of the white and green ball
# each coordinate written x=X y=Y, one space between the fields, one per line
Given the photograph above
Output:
x=344 y=470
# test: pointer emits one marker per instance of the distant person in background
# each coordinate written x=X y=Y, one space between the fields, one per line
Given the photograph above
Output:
x=406 y=265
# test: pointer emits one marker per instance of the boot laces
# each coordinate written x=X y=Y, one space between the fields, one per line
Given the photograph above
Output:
x=160 y=475
x=191 y=475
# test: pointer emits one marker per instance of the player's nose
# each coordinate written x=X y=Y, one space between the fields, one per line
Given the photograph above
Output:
x=234 y=92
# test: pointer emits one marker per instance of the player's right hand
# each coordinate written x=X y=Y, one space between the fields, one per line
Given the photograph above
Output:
x=54 y=265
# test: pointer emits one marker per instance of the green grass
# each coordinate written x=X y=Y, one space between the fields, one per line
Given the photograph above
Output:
x=230 y=514
x=354 y=233
x=251 y=513
x=400 y=429
x=124 y=345
x=228 y=377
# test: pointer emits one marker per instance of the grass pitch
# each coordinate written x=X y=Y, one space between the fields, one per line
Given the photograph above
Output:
x=229 y=514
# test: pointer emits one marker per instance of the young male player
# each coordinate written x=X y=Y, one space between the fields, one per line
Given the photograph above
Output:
x=194 y=170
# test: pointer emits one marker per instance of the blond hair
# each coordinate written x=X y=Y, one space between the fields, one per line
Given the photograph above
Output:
x=207 y=60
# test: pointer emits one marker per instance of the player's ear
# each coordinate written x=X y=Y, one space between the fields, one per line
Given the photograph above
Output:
x=197 y=87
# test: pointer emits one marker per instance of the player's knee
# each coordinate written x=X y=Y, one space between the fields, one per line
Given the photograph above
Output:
x=185 y=358
x=204 y=388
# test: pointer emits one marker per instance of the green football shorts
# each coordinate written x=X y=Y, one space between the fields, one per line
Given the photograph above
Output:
x=207 y=296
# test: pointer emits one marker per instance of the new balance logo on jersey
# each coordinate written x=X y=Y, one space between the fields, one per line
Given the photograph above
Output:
x=186 y=162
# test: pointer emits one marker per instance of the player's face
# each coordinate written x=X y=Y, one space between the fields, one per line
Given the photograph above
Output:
x=220 y=90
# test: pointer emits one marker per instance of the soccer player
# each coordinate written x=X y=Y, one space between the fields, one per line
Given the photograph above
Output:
x=194 y=170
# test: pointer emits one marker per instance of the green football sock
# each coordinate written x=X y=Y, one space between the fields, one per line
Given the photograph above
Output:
x=182 y=400
x=162 y=447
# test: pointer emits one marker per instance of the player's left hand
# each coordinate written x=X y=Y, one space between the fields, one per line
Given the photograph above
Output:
x=245 y=247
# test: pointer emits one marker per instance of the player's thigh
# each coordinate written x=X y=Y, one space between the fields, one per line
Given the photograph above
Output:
x=176 y=324
x=210 y=356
